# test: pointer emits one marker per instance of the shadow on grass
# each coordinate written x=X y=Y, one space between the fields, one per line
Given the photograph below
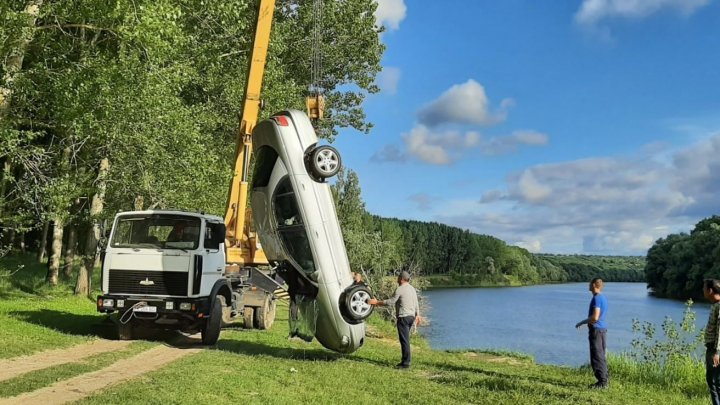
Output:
x=254 y=348
x=559 y=381
x=293 y=353
x=102 y=326
x=68 y=323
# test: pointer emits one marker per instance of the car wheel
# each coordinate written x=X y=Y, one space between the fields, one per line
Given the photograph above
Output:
x=325 y=162
x=248 y=317
x=355 y=306
x=211 y=329
x=265 y=315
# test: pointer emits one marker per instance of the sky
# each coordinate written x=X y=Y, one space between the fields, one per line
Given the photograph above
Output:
x=576 y=126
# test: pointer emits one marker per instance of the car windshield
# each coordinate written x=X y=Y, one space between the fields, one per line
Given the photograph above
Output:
x=163 y=231
x=290 y=226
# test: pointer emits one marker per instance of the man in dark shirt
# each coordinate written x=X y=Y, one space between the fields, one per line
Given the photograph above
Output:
x=597 y=327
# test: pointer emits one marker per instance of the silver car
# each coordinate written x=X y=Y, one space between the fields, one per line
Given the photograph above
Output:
x=294 y=215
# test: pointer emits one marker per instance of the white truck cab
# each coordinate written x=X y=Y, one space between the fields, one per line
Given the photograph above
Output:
x=167 y=269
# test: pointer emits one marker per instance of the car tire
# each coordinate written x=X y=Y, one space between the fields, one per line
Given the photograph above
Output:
x=211 y=330
x=248 y=317
x=354 y=304
x=265 y=315
x=324 y=162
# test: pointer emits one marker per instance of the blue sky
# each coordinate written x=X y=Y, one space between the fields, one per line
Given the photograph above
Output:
x=586 y=126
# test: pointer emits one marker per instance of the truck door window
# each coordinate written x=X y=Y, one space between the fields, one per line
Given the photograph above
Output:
x=290 y=226
x=214 y=235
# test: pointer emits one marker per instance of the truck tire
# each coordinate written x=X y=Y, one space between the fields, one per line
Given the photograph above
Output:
x=125 y=330
x=265 y=315
x=226 y=312
x=353 y=304
x=248 y=317
x=211 y=329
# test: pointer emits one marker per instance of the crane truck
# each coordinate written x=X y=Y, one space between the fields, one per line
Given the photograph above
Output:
x=197 y=272
x=194 y=271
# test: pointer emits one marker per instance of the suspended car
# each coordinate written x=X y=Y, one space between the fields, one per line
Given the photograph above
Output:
x=295 y=217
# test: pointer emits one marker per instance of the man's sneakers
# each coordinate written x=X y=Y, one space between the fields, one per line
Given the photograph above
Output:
x=401 y=366
x=599 y=386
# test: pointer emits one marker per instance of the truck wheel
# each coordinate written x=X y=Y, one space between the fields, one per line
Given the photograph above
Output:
x=265 y=315
x=248 y=317
x=325 y=162
x=354 y=304
x=226 y=312
x=211 y=329
x=125 y=330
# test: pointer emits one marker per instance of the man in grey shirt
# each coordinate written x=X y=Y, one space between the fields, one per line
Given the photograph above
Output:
x=407 y=311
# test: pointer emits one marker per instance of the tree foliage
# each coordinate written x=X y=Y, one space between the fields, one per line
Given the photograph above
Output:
x=155 y=88
x=678 y=264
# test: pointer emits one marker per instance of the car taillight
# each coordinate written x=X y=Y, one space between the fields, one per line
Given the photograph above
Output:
x=281 y=120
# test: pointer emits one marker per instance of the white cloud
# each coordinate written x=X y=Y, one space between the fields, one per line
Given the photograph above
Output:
x=423 y=201
x=389 y=153
x=506 y=144
x=593 y=11
x=464 y=103
x=608 y=205
x=533 y=246
x=390 y=13
x=438 y=148
x=447 y=146
x=388 y=79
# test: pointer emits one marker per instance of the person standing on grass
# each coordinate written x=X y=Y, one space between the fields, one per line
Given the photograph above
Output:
x=597 y=328
x=407 y=312
x=711 y=291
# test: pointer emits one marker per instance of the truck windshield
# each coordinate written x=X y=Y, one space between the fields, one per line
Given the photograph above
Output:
x=161 y=231
x=290 y=226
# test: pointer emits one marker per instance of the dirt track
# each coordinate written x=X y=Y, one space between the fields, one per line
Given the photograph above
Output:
x=11 y=368
x=84 y=385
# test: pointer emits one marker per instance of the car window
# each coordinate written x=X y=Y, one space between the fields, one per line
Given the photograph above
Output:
x=265 y=159
x=291 y=227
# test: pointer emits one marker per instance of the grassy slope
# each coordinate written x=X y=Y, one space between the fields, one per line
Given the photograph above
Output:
x=266 y=367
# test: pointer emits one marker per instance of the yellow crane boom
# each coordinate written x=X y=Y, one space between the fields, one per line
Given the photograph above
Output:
x=241 y=242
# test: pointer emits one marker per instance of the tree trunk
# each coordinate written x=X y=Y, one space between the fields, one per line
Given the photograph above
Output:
x=84 y=280
x=22 y=243
x=6 y=173
x=15 y=57
x=54 y=267
x=43 y=241
x=70 y=250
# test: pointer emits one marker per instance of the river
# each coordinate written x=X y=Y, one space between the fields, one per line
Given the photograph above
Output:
x=540 y=320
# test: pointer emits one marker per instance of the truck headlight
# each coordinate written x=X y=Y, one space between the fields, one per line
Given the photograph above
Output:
x=185 y=306
x=169 y=305
x=108 y=303
x=121 y=303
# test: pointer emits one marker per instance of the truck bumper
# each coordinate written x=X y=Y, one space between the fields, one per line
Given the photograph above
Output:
x=155 y=307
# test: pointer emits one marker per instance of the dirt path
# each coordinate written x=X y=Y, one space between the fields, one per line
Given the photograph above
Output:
x=86 y=384
x=10 y=368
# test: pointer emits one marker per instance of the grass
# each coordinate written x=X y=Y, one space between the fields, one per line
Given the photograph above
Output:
x=264 y=367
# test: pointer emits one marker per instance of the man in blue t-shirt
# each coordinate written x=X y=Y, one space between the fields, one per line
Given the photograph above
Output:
x=597 y=333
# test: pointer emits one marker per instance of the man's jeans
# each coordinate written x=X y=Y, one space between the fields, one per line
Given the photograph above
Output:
x=403 y=326
x=597 y=354
x=712 y=376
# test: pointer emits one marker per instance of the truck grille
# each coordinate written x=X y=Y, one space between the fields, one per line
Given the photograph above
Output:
x=154 y=282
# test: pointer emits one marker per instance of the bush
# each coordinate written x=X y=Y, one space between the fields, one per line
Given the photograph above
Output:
x=670 y=361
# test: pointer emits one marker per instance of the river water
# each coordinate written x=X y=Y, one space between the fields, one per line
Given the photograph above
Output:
x=540 y=320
